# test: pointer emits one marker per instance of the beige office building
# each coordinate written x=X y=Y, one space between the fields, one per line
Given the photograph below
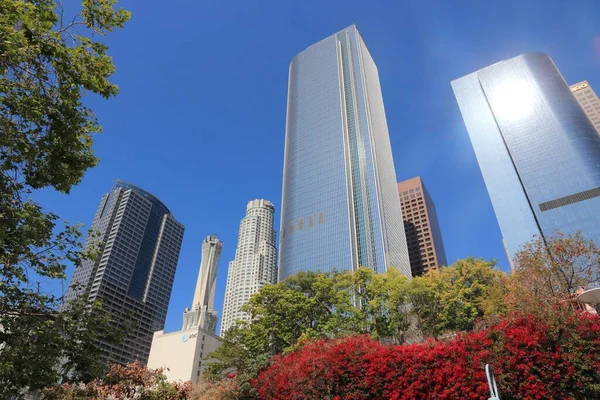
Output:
x=182 y=353
x=589 y=101
x=423 y=236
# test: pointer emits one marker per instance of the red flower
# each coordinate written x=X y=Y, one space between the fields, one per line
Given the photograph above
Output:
x=531 y=359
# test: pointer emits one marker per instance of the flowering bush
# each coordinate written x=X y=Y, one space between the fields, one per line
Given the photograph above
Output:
x=132 y=381
x=532 y=359
x=226 y=389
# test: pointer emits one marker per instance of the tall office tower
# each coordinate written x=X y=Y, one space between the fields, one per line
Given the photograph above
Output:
x=340 y=207
x=202 y=312
x=423 y=236
x=538 y=152
x=255 y=262
x=589 y=101
x=133 y=275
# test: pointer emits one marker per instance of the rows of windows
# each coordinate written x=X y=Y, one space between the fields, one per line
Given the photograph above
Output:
x=418 y=233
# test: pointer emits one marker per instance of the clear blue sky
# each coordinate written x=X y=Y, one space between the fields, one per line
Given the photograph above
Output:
x=200 y=119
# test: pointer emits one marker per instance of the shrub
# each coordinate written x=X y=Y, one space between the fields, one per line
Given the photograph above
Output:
x=532 y=359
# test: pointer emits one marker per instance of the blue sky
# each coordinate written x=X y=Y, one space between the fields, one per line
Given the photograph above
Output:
x=200 y=119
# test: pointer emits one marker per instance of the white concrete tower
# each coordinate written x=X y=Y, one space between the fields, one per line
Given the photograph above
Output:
x=202 y=312
x=255 y=263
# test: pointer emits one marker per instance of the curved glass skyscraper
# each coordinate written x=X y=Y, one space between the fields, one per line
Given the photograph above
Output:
x=538 y=152
x=340 y=206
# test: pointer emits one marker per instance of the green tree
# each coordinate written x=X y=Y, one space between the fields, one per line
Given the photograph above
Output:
x=426 y=304
x=382 y=303
x=453 y=298
x=47 y=64
x=306 y=306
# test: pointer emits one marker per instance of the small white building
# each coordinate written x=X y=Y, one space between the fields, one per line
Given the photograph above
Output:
x=181 y=353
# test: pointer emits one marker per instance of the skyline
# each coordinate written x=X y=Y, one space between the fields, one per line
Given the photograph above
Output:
x=466 y=217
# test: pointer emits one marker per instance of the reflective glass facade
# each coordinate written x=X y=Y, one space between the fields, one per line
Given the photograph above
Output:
x=538 y=152
x=340 y=207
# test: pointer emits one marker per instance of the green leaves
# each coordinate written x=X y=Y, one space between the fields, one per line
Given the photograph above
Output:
x=101 y=16
x=455 y=297
x=46 y=66
x=387 y=306
x=552 y=270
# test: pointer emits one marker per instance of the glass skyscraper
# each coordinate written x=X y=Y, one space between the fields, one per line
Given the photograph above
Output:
x=133 y=274
x=538 y=152
x=340 y=206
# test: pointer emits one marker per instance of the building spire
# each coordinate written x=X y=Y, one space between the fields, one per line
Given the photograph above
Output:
x=204 y=295
x=202 y=311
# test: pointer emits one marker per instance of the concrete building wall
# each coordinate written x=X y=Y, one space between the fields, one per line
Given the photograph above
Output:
x=182 y=353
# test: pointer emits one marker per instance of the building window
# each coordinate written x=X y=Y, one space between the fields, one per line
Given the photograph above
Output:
x=301 y=224
x=311 y=221
x=321 y=217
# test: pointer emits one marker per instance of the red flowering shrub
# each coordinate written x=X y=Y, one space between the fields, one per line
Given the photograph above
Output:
x=531 y=359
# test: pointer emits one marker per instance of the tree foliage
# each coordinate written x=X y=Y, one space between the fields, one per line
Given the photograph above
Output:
x=531 y=358
x=454 y=298
x=132 y=381
x=322 y=306
x=316 y=308
x=550 y=271
x=225 y=389
x=48 y=62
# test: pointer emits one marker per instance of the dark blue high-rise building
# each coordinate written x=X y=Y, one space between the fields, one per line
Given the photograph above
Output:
x=538 y=151
x=133 y=275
